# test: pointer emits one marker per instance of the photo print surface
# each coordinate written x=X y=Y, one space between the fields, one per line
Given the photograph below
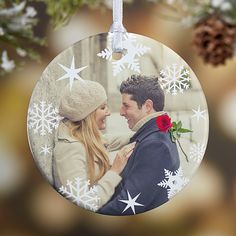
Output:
x=118 y=137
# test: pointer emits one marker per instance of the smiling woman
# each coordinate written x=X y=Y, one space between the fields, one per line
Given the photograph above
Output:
x=79 y=152
x=101 y=113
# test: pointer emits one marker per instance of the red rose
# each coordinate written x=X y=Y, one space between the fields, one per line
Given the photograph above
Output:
x=164 y=123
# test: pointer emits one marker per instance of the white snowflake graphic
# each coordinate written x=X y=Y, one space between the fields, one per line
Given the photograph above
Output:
x=130 y=59
x=174 y=79
x=173 y=182
x=79 y=192
x=131 y=202
x=72 y=73
x=106 y=54
x=198 y=113
x=43 y=118
x=45 y=150
x=196 y=152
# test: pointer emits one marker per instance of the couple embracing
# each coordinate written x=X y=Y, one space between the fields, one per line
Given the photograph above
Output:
x=129 y=184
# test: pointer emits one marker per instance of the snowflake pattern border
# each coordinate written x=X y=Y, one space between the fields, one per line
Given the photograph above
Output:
x=45 y=149
x=43 y=118
x=175 y=79
x=80 y=192
x=196 y=152
x=130 y=59
x=173 y=182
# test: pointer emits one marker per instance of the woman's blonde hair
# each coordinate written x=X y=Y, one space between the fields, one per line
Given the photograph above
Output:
x=87 y=132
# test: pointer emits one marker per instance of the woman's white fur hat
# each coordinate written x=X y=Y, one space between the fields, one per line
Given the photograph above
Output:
x=84 y=98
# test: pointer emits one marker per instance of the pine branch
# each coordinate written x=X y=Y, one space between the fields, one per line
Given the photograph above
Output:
x=17 y=21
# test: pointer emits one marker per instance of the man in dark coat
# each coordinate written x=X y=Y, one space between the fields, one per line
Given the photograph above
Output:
x=155 y=158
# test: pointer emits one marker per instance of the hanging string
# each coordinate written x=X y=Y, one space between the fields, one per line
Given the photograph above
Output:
x=117 y=27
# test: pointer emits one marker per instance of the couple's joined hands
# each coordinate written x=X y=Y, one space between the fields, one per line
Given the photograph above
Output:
x=122 y=157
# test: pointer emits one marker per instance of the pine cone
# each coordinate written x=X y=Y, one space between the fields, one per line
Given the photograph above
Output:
x=214 y=39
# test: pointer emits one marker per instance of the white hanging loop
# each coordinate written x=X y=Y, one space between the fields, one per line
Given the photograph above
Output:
x=117 y=27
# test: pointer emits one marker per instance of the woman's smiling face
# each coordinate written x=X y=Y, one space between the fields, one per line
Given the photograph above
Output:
x=100 y=115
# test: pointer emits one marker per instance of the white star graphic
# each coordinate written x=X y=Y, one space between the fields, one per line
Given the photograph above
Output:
x=45 y=150
x=198 y=113
x=71 y=73
x=131 y=202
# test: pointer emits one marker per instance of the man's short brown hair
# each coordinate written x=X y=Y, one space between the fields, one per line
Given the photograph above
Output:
x=143 y=88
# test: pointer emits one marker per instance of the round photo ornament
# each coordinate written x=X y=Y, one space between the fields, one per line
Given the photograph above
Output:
x=118 y=123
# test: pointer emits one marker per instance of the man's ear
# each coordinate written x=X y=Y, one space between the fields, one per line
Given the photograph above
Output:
x=148 y=105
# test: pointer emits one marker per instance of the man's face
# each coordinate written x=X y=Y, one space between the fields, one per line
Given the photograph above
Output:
x=130 y=110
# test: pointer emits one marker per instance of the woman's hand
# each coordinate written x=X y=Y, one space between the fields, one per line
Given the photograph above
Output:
x=122 y=157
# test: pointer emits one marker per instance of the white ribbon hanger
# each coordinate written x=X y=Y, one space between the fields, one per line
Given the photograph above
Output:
x=117 y=27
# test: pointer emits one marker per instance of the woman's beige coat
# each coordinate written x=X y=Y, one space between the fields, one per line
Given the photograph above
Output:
x=70 y=162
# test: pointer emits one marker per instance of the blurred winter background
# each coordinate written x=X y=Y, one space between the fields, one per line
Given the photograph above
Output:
x=30 y=206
